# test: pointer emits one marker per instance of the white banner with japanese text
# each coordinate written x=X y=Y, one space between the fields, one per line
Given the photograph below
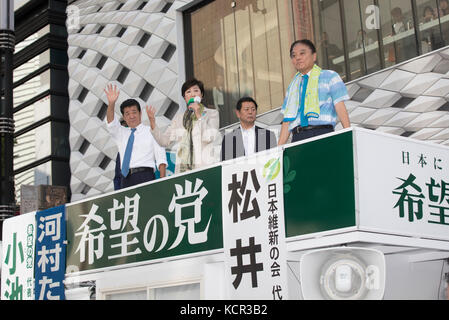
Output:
x=403 y=185
x=18 y=246
x=253 y=228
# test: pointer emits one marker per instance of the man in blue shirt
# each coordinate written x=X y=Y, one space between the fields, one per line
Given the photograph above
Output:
x=314 y=99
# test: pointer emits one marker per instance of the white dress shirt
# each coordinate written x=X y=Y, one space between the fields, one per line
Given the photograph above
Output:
x=249 y=140
x=146 y=151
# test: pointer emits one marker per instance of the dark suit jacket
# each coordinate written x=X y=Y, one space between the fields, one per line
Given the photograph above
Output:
x=232 y=145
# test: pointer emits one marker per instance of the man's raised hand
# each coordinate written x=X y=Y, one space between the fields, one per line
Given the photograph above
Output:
x=112 y=93
x=151 y=116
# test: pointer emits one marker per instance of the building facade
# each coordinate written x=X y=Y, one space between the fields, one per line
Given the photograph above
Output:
x=391 y=54
x=41 y=148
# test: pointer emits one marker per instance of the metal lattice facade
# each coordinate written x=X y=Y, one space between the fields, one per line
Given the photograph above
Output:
x=131 y=44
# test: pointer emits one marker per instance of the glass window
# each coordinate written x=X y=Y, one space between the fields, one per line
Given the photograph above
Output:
x=32 y=38
x=361 y=35
x=20 y=3
x=259 y=47
x=242 y=51
x=32 y=145
x=179 y=292
x=214 y=56
x=368 y=37
x=131 y=295
x=32 y=113
x=40 y=175
x=443 y=15
x=429 y=26
x=32 y=65
x=32 y=88
x=357 y=40
x=231 y=89
x=287 y=12
x=24 y=149
x=329 y=36
x=244 y=48
x=241 y=48
x=398 y=31
x=182 y=292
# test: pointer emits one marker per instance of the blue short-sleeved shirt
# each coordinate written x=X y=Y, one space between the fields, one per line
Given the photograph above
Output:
x=331 y=90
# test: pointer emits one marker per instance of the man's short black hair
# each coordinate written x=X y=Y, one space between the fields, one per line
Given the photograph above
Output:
x=305 y=42
x=190 y=83
x=245 y=99
x=129 y=103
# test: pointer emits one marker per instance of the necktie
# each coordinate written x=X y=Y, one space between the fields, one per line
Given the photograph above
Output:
x=127 y=156
x=304 y=120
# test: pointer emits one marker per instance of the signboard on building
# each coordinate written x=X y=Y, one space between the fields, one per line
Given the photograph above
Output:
x=403 y=185
x=50 y=254
x=29 y=199
x=35 y=198
x=52 y=196
x=18 y=257
x=253 y=228
x=173 y=217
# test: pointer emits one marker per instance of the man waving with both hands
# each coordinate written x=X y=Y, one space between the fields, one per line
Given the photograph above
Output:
x=140 y=154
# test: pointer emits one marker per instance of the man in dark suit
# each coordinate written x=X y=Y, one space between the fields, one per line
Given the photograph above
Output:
x=248 y=138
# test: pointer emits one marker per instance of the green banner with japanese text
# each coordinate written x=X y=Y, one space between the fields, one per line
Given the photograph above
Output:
x=319 y=185
x=172 y=217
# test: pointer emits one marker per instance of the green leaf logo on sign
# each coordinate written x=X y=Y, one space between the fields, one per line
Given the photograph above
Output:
x=271 y=169
x=289 y=176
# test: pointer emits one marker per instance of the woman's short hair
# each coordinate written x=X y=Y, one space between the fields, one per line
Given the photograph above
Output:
x=190 y=83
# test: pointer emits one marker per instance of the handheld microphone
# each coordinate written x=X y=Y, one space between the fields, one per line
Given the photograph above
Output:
x=193 y=100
